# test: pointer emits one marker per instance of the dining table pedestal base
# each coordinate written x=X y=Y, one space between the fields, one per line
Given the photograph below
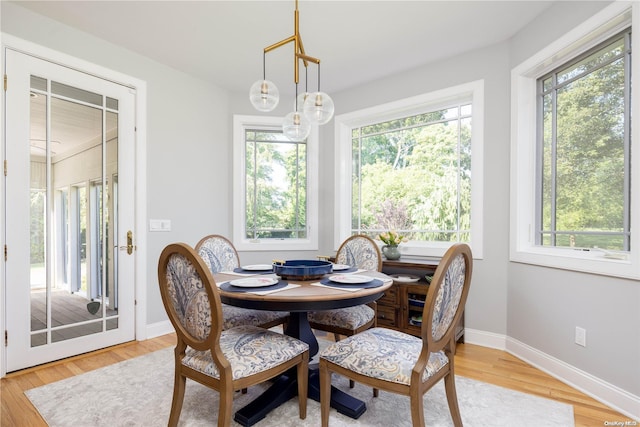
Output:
x=285 y=387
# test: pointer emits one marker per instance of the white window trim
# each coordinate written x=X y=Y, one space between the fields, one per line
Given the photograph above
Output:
x=606 y=23
x=240 y=124
x=344 y=123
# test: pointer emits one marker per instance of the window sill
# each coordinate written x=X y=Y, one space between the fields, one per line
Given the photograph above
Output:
x=592 y=261
x=432 y=250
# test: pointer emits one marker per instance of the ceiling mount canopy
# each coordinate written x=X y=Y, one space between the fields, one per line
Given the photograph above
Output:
x=316 y=108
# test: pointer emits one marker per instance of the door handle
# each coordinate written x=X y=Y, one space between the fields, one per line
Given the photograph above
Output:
x=130 y=247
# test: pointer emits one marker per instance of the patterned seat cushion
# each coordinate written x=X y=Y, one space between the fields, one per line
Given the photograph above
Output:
x=348 y=318
x=237 y=316
x=249 y=349
x=383 y=353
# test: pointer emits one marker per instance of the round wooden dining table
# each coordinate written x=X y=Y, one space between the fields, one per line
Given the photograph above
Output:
x=302 y=297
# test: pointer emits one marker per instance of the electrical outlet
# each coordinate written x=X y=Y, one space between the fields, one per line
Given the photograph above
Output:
x=581 y=336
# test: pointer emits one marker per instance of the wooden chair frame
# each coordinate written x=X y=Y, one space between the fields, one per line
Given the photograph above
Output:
x=225 y=385
x=447 y=343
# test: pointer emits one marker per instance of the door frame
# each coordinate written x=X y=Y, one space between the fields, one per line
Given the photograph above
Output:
x=140 y=204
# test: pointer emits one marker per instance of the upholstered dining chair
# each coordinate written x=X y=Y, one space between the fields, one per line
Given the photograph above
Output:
x=402 y=363
x=219 y=255
x=362 y=252
x=224 y=360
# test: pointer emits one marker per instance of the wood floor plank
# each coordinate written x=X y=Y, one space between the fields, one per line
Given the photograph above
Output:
x=504 y=370
x=476 y=362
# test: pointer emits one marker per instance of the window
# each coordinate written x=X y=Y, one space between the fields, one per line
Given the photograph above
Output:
x=583 y=150
x=411 y=165
x=572 y=169
x=275 y=188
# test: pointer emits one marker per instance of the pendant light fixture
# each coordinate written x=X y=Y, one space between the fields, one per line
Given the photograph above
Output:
x=296 y=126
x=309 y=108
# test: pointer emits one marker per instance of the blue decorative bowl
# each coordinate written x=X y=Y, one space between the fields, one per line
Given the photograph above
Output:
x=301 y=269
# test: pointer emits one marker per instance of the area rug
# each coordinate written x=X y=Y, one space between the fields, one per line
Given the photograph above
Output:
x=138 y=392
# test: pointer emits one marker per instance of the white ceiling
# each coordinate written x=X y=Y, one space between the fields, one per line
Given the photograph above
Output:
x=356 y=41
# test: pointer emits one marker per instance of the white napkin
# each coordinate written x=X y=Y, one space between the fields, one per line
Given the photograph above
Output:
x=349 y=289
x=289 y=286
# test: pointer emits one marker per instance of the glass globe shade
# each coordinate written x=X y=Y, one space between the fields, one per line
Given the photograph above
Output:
x=318 y=108
x=264 y=95
x=298 y=103
x=296 y=127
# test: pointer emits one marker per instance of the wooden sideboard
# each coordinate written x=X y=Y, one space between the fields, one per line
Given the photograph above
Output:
x=401 y=306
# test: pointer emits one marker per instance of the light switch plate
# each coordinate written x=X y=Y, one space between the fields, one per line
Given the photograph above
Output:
x=159 y=225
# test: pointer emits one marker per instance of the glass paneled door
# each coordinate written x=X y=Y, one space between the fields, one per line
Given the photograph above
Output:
x=70 y=212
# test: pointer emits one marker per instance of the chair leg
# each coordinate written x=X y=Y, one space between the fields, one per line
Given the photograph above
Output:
x=336 y=336
x=376 y=392
x=225 y=407
x=452 y=399
x=325 y=392
x=178 y=397
x=417 y=410
x=303 y=386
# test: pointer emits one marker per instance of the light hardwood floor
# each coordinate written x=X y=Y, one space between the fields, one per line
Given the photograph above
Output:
x=472 y=361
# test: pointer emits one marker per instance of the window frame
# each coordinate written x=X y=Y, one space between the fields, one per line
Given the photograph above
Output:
x=473 y=93
x=523 y=248
x=240 y=124
x=553 y=233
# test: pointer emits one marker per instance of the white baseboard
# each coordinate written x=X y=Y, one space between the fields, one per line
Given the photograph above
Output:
x=621 y=400
x=159 y=328
x=485 y=339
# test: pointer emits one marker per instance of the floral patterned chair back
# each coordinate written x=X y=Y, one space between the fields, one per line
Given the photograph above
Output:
x=361 y=252
x=447 y=292
x=188 y=301
x=218 y=253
